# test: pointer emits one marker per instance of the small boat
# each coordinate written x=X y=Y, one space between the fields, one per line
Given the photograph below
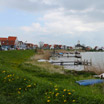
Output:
x=90 y=82
x=77 y=52
x=77 y=56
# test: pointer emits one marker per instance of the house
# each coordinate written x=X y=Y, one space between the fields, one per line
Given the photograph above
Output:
x=51 y=46
x=64 y=47
x=69 y=47
x=88 y=48
x=56 y=46
x=46 y=46
x=10 y=42
x=29 y=46
x=79 y=46
x=60 y=46
x=96 y=48
x=35 y=46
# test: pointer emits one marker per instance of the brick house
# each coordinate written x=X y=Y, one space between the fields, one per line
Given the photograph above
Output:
x=46 y=46
x=10 y=42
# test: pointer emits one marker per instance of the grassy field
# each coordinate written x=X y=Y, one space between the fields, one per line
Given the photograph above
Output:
x=27 y=83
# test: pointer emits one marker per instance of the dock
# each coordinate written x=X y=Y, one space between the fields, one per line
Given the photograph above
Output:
x=68 y=56
x=68 y=63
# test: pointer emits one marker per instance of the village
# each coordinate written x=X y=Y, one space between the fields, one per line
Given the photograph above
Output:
x=12 y=43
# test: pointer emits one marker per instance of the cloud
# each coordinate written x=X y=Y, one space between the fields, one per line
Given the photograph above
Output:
x=61 y=19
x=57 y=23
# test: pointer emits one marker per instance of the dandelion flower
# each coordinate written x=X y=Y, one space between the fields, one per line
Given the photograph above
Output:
x=69 y=93
x=3 y=71
x=56 y=89
x=57 y=94
x=8 y=76
x=64 y=89
x=65 y=101
x=28 y=85
x=73 y=101
x=48 y=101
x=19 y=92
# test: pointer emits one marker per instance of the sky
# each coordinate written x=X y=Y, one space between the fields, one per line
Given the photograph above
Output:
x=53 y=21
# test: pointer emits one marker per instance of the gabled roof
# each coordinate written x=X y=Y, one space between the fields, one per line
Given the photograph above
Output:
x=45 y=45
x=3 y=39
x=50 y=45
x=12 y=38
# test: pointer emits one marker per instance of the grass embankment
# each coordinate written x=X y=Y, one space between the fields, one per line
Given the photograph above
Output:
x=25 y=83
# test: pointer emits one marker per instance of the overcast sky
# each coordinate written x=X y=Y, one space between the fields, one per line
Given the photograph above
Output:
x=53 y=21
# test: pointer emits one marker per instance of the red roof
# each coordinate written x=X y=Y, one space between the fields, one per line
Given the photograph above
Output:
x=45 y=45
x=3 y=39
x=50 y=45
x=60 y=46
x=8 y=41
x=29 y=44
x=55 y=45
x=12 y=38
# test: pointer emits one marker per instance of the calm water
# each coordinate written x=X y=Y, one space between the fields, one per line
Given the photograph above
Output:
x=96 y=57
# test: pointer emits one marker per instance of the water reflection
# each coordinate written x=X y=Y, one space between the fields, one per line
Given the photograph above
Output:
x=96 y=57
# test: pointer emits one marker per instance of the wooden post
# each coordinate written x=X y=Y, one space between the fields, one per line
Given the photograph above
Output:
x=61 y=63
x=91 y=62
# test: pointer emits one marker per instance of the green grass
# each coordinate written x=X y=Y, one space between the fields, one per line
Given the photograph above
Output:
x=24 y=83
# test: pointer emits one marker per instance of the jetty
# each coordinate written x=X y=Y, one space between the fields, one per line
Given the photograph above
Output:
x=75 y=55
x=69 y=63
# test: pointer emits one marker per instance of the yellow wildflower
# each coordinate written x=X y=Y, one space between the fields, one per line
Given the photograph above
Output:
x=9 y=80
x=73 y=101
x=28 y=85
x=57 y=94
x=48 y=101
x=56 y=89
x=69 y=93
x=8 y=76
x=24 y=79
x=63 y=95
x=19 y=88
x=48 y=97
x=3 y=71
x=65 y=101
x=64 y=89
x=19 y=92
x=50 y=92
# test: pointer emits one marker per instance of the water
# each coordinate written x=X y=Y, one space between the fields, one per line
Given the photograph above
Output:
x=97 y=59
